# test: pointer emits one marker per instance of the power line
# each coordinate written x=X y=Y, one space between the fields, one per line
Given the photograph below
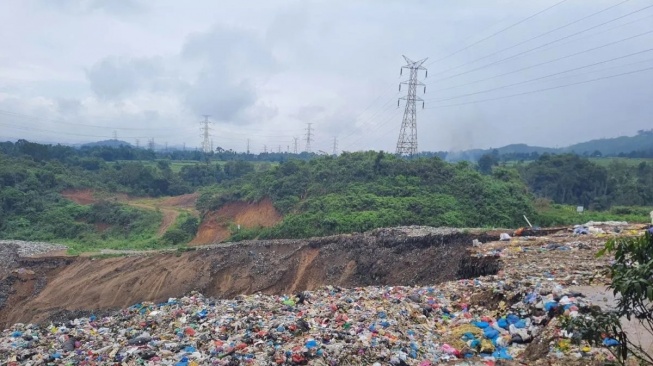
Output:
x=538 y=36
x=24 y=116
x=545 y=62
x=391 y=117
x=541 y=46
x=541 y=77
x=544 y=89
x=498 y=32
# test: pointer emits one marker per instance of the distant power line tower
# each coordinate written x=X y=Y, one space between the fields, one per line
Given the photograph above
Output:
x=206 y=138
x=407 y=142
x=138 y=143
x=309 y=136
x=115 y=135
x=247 y=146
x=150 y=144
x=295 y=139
x=335 y=146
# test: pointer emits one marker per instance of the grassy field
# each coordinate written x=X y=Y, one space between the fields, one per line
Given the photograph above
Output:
x=560 y=215
x=605 y=162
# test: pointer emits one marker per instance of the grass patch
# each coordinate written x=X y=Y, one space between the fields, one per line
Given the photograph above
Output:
x=560 y=215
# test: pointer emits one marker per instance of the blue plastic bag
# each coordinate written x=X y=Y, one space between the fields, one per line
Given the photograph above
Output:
x=512 y=318
x=490 y=333
x=502 y=354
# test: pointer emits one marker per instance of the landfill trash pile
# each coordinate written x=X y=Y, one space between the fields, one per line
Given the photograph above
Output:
x=331 y=326
x=507 y=318
x=31 y=248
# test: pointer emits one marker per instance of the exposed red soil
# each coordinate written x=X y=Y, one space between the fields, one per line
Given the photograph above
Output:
x=80 y=197
x=169 y=218
x=215 y=225
x=101 y=227
x=186 y=201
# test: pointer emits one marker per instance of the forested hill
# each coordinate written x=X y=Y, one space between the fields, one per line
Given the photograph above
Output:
x=361 y=191
x=615 y=146
x=638 y=146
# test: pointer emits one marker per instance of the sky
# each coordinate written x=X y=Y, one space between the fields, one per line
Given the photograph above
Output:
x=541 y=72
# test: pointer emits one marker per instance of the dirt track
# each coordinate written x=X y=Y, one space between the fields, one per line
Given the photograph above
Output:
x=170 y=207
x=48 y=286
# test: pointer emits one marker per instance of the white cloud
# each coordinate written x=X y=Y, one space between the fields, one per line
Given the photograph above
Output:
x=265 y=68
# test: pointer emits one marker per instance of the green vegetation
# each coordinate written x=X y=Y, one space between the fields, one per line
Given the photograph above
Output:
x=183 y=231
x=569 y=179
x=631 y=283
x=549 y=214
x=361 y=191
x=323 y=195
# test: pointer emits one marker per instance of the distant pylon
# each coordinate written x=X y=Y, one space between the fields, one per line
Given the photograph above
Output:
x=335 y=146
x=150 y=144
x=265 y=149
x=138 y=143
x=115 y=135
x=407 y=142
x=247 y=146
x=206 y=139
x=295 y=146
x=308 y=137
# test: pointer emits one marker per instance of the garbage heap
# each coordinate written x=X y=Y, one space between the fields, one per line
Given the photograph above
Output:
x=509 y=318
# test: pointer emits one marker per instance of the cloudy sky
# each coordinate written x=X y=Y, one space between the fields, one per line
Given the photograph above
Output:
x=542 y=72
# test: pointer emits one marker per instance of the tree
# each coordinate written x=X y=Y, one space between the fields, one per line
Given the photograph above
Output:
x=632 y=281
x=486 y=162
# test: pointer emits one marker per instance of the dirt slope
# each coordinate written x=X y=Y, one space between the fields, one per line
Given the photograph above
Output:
x=215 y=225
x=386 y=256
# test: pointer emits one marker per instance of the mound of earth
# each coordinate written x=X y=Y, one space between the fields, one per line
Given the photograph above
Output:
x=215 y=225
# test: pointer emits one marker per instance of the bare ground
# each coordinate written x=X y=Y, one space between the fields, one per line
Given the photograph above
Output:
x=215 y=225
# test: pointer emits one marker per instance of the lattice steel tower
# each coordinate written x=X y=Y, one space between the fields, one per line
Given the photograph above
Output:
x=407 y=143
x=206 y=137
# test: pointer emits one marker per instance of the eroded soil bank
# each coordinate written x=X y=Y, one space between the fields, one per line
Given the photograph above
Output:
x=37 y=289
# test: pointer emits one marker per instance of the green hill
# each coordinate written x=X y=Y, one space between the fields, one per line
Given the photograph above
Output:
x=616 y=145
x=362 y=191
